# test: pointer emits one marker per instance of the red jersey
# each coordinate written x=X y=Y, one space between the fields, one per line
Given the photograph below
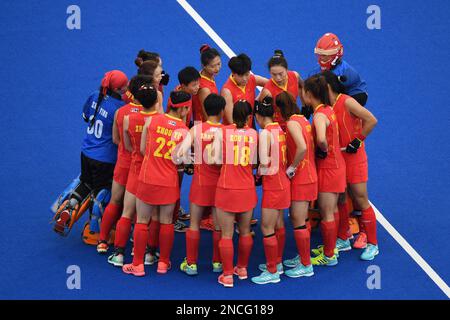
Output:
x=204 y=173
x=123 y=156
x=239 y=93
x=334 y=159
x=276 y=178
x=208 y=83
x=239 y=147
x=163 y=135
x=274 y=89
x=136 y=123
x=306 y=171
x=350 y=127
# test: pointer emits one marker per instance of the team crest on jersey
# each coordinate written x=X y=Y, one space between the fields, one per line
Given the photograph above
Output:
x=134 y=110
x=213 y=129
x=172 y=123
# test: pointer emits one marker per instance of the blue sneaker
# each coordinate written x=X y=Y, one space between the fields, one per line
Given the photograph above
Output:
x=300 y=271
x=370 y=252
x=291 y=263
x=343 y=245
x=263 y=267
x=217 y=267
x=267 y=277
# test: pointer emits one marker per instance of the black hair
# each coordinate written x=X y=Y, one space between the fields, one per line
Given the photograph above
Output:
x=138 y=81
x=240 y=64
x=207 y=54
x=148 y=68
x=179 y=97
x=143 y=56
x=187 y=75
x=277 y=59
x=147 y=95
x=265 y=107
x=286 y=102
x=318 y=87
x=241 y=110
x=214 y=104
x=335 y=82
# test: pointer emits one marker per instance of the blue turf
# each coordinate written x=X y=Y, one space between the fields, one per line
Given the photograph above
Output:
x=48 y=71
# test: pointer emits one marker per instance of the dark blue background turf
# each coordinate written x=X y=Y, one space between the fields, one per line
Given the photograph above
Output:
x=48 y=71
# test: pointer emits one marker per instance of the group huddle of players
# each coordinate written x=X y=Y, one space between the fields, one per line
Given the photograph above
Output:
x=313 y=153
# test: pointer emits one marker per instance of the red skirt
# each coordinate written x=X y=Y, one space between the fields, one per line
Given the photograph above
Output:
x=332 y=180
x=157 y=195
x=132 y=183
x=234 y=200
x=204 y=196
x=357 y=173
x=121 y=175
x=276 y=199
x=304 y=192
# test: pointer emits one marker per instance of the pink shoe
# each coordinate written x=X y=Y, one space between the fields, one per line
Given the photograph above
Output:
x=163 y=267
x=226 y=281
x=241 y=273
x=137 y=271
x=361 y=241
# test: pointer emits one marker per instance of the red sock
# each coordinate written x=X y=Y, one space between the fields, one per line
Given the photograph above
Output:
x=344 y=224
x=110 y=216
x=303 y=241
x=360 y=224
x=245 y=248
x=166 y=237
x=140 y=242
x=329 y=237
x=226 y=253
x=369 y=221
x=153 y=239
x=217 y=234
x=175 y=211
x=271 y=251
x=281 y=238
x=192 y=240
x=336 y=220
x=123 y=229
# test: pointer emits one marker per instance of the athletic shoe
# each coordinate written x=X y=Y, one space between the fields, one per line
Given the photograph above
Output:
x=300 y=271
x=189 y=269
x=361 y=241
x=183 y=215
x=291 y=263
x=150 y=259
x=319 y=250
x=116 y=259
x=226 y=281
x=207 y=224
x=163 y=267
x=370 y=252
x=267 y=277
x=102 y=247
x=263 y=267
x=179 y=226
x=241 y=273
x=343 y=245
x=62 y=222
x=217 y=267
x=137 y=271
x=323 y=260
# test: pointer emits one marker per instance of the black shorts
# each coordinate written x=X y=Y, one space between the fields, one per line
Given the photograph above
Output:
x=96 y=174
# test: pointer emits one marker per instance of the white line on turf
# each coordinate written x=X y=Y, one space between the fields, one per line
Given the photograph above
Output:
x=380 y=218
x=412 y=252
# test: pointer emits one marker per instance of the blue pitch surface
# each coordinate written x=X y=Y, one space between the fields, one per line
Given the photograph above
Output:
x=48 y=71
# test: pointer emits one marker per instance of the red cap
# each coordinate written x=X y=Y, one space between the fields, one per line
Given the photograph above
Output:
x=114 y=80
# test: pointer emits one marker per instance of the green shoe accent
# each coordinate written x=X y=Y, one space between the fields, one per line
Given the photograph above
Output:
x=189 y=269
x=323 y=260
